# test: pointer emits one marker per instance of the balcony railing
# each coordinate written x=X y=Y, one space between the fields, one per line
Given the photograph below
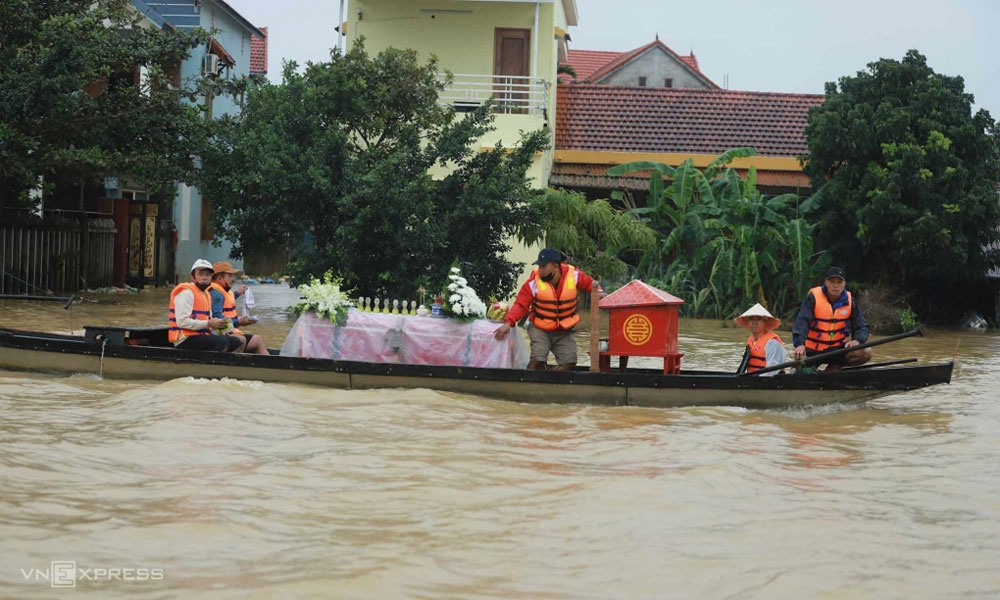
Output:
x=512 y=94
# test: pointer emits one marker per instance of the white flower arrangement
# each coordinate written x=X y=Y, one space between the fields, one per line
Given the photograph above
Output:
x=463 y=302
x=325 y=298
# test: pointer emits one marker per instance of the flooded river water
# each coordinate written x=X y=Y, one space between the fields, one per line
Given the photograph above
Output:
x=240 y=489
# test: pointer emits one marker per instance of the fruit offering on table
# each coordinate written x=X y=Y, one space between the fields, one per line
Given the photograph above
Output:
x=497 y=311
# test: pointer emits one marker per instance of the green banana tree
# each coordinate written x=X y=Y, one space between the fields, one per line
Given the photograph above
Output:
x=723 y=245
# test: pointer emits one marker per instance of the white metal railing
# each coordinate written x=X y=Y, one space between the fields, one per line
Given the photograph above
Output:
x=512 y=94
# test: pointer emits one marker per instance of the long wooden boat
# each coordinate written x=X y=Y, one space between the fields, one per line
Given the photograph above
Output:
x=137 y=354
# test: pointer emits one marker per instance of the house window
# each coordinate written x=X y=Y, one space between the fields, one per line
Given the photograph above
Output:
x=642 y=81
x=207 y=234
x=668 y=82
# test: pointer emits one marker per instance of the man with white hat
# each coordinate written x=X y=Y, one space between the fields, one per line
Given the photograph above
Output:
x=191 y=324
x=764 y=347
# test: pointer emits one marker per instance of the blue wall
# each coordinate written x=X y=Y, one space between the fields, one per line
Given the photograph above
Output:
x=234 y=36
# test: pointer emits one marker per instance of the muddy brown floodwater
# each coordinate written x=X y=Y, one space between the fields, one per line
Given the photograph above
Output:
x=240 y=489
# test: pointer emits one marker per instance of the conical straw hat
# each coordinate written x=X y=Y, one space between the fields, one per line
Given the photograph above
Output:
x=770 y=322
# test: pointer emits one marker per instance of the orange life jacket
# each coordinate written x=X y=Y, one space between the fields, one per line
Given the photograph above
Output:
x=551 y=312
x=201 y=311
x=758 y=353
x=228 y=304
x=828 y=329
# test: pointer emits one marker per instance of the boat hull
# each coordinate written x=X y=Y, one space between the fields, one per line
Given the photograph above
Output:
x=30 y=351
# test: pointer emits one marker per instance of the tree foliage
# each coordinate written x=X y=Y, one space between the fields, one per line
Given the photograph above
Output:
x=597 y=237
x=340 y=155
x=721 y=244
x=907 y=177
x=69 y=106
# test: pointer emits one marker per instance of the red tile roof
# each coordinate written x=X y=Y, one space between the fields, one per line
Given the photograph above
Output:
x=674 y=120
x=587 y=63
x=258 y=54
x=637 y=293
x=627 y=57
x=691 y=61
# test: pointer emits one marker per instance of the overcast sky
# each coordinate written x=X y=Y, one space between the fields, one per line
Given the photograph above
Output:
x=766 y=45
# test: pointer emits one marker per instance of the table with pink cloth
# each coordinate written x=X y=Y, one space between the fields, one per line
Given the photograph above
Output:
x=415 y=340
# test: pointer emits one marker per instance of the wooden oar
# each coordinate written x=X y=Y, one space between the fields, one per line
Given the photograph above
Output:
x=595 y=329
x=826 y=356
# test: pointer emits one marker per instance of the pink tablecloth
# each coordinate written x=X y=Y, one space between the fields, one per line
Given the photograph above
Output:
x=388 y=338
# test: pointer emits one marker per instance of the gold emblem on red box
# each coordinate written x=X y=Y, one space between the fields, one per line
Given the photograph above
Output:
x=637 y=329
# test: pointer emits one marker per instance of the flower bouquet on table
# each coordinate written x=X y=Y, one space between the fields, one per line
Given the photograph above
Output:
x=325 y=298
x=463 y=302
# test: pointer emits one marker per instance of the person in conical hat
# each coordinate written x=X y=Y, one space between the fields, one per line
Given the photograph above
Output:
x=764 y=348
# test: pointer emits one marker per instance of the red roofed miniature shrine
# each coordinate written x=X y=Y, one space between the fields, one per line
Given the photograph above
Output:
x=643 y=322
x=638 y=293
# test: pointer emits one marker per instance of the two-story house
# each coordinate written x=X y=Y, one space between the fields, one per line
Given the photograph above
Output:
x=508 y=49
x=237 y=48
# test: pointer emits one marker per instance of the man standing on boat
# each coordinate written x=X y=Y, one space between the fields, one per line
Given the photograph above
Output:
x=191 y=323
x=224 y=307
x=828 y=317
x=550 y=298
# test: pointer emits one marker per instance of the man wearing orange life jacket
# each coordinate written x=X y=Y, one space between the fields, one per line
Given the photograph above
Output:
x=224 y=307
x=191 y=324
x=764 y=348
x=549 y=298
x=830 y=319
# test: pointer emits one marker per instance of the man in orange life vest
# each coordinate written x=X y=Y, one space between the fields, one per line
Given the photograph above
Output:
x=828 y=317
x=224 y=307
x=191 y=323
x=549 y=297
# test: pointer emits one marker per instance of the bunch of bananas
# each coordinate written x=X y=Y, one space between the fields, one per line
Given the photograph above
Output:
x=497 y=311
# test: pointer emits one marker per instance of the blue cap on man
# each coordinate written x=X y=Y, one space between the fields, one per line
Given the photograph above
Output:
x=549 y=255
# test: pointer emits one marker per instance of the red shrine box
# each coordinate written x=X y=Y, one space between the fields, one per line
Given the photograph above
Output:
x=643 y=323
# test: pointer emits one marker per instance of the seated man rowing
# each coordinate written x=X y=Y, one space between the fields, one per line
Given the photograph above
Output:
x=224 y=307
x=549 y=297
x=191 y=323
x=828 y=317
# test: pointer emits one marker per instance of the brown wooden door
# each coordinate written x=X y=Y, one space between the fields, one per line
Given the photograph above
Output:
x=511 y=56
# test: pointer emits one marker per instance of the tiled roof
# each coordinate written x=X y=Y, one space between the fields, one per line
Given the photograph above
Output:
x=258 y=54
x=673 y=120
x=637 y=293
x=576 y=175
x=587 y=63
x=628 y=57
x=691 y=61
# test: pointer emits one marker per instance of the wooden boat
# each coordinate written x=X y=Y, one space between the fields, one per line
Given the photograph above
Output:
x=143 y=353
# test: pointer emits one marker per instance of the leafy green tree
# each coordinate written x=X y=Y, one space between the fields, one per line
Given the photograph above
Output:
x=339 y=156
x=907 y=178
x=70 y=107
x=722 y=244
x=597 y=237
